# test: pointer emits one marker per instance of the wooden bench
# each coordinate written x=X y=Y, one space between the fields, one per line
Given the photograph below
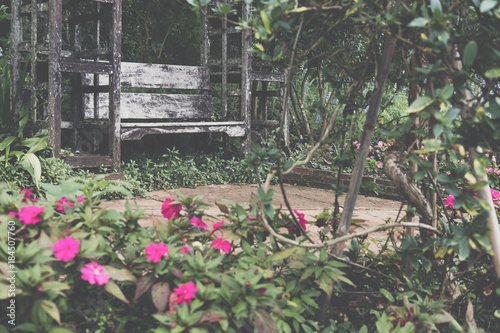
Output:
x=161 y=99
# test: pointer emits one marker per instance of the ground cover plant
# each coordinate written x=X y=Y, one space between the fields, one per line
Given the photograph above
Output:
x=86 y=269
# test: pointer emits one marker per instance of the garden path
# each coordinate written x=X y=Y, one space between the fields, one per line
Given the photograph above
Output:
x=368 y=212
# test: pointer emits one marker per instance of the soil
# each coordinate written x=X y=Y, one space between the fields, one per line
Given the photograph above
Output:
x=368 y=212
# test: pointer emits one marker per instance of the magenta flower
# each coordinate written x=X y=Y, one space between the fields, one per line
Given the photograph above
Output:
x=155 y=252
x=169 y=210
x=93 y=273
x=215 y=227
x=27 y=195
x=302 y=220
x=66 y=248
x=186 y=249
x=81 y=198
x=495 y=195
x=221 y=244
x=185 y=292
x=29 y=214
x=449 y=201
x=199 y=223
x=60 y=204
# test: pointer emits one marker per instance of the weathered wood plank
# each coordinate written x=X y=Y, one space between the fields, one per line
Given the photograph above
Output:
x=165 y=106
x=154 y=106
x=157 y=76
x=184 y=124
x=82 y=66
x=89 y=161
x=238 y=129
x=267 y=76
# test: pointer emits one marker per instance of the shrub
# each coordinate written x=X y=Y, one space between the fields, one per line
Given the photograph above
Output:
x=74 y=260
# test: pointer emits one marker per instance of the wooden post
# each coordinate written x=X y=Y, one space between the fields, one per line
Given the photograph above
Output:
x=15 y=79
x=205 y=43
x=246 y=65
x=115 y=87
x=55 y=76
x=224 y=60
x=33 y=61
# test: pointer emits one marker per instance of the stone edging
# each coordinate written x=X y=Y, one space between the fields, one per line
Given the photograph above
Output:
x=325 y=179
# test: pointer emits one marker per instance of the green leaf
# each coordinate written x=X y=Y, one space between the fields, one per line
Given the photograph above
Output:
x=59 y=330
x=143 y=285
x=55 y=285
x=438 y=129
x=114 y=290
x=264 y=323
x=452 y=114
x=436 y=5
x=284 y=254
x=446 y=92
x=492 y=73
x=266 y=21
x=31 y=163
x=470 y=53
x=326 y=283
x=6 y=142
x=363 y=329
x=4 y=291
x=119 y=274
x=487 y=5
x=419 y=22
x=419 y=104
x=160 y=292
x=51 y=309
x=387 y=294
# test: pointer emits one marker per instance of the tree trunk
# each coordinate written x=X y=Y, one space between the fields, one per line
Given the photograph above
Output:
x=369 y=127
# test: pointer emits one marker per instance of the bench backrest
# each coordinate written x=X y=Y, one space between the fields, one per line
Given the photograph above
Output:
x=155 y=105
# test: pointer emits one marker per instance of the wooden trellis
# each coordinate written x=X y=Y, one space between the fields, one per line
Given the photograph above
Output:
x=78 y=88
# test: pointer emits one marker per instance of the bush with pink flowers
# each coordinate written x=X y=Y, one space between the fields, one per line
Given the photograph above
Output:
x=83 y=268
x=88 y=269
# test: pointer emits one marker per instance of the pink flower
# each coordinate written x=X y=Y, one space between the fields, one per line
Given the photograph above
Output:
x=66 y=248
x=94 y=273
x=380 y=144
x=251 y=217
x=302 y=220
x=215 y=227
x=199 y=223
x=221 y=244
x=186 y=249
x=81 y=198
x=169 y=210
x=449 y=201
x=185 y=292
x=61 y=202
x=29 y=214
x=495 y=194
x=27 y=195
x=155 y=252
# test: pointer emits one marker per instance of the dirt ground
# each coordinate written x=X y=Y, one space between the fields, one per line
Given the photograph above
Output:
x=368 y=212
